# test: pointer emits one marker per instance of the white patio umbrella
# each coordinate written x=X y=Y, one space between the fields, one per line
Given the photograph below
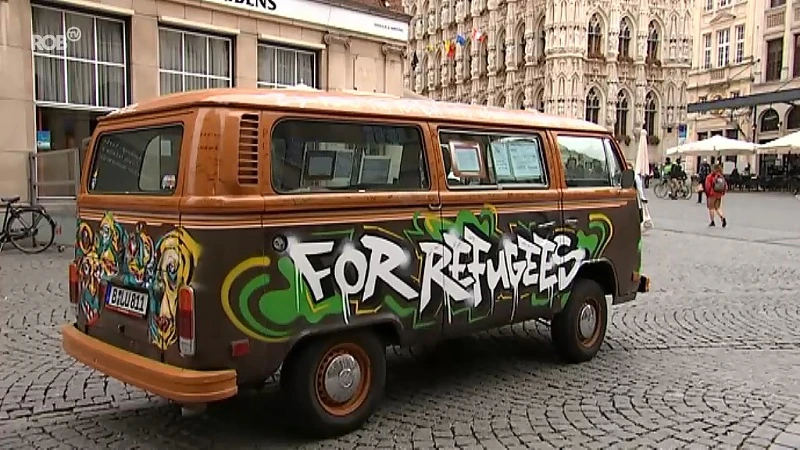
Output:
x=788 y=143
x=642 y=164
x=714 y=146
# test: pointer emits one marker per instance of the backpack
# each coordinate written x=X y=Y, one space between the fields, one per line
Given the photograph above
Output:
x=719 y=185
x=676 y=171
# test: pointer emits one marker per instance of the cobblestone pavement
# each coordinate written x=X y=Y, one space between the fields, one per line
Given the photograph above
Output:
x=709 y=358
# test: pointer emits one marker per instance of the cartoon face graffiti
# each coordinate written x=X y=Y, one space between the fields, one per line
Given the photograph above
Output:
x=90 y=272
x=108 y=246
x=177 y=255
x=131 y=258
x=138 y=255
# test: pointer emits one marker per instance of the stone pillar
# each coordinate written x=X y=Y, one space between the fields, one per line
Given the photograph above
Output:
x=17 y=119
x=144 y=58
x=338 y=63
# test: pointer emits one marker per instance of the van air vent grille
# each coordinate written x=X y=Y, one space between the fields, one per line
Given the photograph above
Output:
x=248 y=149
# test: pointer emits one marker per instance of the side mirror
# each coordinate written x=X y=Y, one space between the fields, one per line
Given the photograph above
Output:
x=628 y=179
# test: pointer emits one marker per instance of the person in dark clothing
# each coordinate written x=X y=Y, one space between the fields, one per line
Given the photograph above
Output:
x=702 y=173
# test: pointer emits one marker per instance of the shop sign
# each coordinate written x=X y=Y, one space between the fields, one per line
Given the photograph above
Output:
x=328 y=16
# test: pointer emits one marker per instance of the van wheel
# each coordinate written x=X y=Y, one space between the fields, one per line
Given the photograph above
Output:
x=579 y=329
x=334 y=383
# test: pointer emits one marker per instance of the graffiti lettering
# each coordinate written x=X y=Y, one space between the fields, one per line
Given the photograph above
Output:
x=464 y=267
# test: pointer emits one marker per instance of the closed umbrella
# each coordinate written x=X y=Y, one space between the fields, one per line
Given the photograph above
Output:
x=642 y=166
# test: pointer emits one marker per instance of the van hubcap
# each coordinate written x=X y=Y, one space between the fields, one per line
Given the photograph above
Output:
x=342 y=378
x=587 y=321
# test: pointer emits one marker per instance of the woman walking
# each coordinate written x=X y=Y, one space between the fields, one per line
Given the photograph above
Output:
x=716 y=187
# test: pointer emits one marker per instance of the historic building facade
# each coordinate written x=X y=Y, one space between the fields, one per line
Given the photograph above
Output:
x=622 y=64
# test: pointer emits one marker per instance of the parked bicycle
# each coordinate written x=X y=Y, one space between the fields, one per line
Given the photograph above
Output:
x=28 y=228
x=683 y=189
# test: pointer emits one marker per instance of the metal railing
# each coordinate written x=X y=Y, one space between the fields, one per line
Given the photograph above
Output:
x=54 y=175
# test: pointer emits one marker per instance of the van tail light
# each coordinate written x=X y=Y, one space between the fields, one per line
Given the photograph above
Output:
x=185 y=324
x=73 y=289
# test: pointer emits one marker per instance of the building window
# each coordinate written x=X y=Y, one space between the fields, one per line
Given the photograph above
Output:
x=624 y=45
x=593 y=106
x=595 y=35
x=793 y=118
x=650 y=111
x=190 y=61
x=467 y=56
x=796 y=57
x=540 y=102
x=91 y=71
x=776 y=3
x=500 y=52
x=542 y=41
x=520 y=38
x=774 y=59
x=735 y=94
x=707 y=51
x=739 y=56
x=724 y=3
x=732 y=133
x=652 y=41
x=723 y=47
x=770 y=121
x=483 y=56
x=709 y=5
x=621 y=125
x=280 y=67
x=702 y=135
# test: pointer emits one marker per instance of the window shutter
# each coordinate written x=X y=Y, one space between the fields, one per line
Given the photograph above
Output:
x=248 y=149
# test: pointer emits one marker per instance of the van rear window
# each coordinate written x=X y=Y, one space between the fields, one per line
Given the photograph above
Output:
x=141 y=161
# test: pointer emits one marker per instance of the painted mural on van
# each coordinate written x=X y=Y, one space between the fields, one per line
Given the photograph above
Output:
x=480 y=260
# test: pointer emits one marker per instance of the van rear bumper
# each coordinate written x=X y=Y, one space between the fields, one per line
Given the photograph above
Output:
x=181 y=385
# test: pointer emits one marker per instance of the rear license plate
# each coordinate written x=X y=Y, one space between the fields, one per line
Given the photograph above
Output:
x=126 y=301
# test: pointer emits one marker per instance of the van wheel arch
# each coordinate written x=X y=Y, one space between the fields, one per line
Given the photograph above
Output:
x=602 y=272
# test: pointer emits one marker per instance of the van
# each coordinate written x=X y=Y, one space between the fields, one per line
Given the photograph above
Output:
x=226 y=234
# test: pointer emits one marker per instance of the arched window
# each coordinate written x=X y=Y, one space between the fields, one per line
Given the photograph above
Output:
x=540 y=101
x=650 y=111
x=483 y=55
x=624 y=45
x=793 y=118
x=653 y=40
x=594 y=46
x=541 y=45
x=593 y=106
x=621 y=125
x=500 y=52
x=520 y=103
x=423 y=65
x=770 y=120
x=519 y=36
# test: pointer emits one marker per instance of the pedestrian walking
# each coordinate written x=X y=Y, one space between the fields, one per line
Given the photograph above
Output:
x=716 y=187
x=702 y=173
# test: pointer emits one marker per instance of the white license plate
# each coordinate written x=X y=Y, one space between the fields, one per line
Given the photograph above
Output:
x=127 y=301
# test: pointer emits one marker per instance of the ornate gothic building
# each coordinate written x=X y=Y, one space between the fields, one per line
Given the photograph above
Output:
x=622 y=64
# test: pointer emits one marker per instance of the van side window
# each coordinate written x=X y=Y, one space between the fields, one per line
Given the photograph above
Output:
x=142 y=161
x=315 y=155
x=614 y=165
x=473 y=159
x=585 y=163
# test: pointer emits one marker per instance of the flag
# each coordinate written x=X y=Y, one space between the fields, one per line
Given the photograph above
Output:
x=450 y=49
x=461 y=40
x=477 y=35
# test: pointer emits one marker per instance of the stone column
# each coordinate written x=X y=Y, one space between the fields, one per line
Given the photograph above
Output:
x=144 y=58
x=17 y=119
x=339 y=62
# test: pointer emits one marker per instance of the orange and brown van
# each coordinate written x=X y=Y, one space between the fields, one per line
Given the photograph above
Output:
x=226 y=234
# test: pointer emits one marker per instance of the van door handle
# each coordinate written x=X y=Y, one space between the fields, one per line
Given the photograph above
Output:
x=437 y=207
x=544 y=225
x=571 y=222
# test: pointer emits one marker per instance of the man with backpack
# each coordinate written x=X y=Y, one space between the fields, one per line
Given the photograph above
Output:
x=675 y=175
x=716 y=187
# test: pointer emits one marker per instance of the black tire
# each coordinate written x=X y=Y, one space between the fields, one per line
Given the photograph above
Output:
x=661 y=190
x=39 y=219
x=302 y=382
x=565 y=328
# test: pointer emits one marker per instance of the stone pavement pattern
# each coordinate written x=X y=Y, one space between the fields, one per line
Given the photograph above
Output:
x=706 y=360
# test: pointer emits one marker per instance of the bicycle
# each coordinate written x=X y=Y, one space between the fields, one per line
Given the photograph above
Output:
x=16 y=229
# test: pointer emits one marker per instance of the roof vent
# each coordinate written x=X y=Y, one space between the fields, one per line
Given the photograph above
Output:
x=248 y=149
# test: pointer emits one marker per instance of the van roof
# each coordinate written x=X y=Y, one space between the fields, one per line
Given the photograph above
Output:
x=309 y=99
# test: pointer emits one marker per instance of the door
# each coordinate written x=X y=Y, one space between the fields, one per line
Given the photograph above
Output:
x=599 y=216
x=500 y=209
x=351 y=203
